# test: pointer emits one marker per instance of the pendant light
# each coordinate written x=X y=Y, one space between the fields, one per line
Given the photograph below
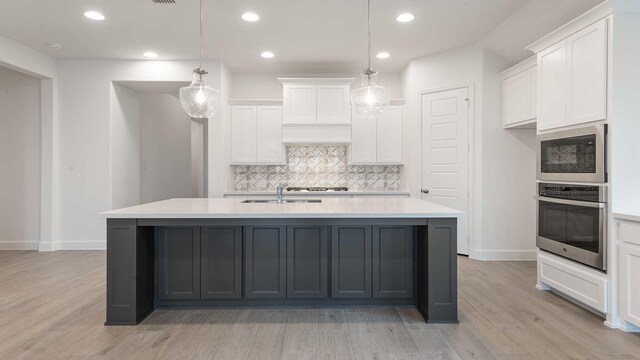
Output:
x=199 y=99
x=371 y=99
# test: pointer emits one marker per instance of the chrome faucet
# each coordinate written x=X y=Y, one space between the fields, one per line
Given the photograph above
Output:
x=280 y=193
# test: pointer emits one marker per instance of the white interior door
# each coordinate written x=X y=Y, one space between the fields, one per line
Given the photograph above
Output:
x=445 y=154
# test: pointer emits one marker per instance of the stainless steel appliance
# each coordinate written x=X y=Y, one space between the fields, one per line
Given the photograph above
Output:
x=312 y=189
x=573 y=155
x=572 y=222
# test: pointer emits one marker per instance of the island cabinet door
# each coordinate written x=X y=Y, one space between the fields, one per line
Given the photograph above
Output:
x=393 y=262
x=265 y=273
x=178 y=263
x=307 y=274
x=221 y=263
x=351 y=262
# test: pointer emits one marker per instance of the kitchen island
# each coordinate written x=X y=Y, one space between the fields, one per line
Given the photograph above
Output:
x=204 y=253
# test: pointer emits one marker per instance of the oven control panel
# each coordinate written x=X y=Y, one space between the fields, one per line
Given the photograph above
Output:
x=593 y=193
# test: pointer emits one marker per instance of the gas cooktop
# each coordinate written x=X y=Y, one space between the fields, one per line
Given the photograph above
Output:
x=308 y=189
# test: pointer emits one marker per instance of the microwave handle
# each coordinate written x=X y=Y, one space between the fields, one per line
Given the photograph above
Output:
x=597 y=205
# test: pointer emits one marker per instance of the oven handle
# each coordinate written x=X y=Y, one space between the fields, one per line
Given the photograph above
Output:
x=597 y=205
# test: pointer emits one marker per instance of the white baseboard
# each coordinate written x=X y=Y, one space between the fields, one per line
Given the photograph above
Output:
x=81 y=245
x=47 y=246
x=503 y=255
x=626 y=327
x=18 y=245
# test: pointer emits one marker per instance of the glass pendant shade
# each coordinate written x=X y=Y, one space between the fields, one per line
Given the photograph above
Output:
x=199 y=99
x=371 y=99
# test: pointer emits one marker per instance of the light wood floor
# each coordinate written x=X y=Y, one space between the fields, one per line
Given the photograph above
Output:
x=52 y=307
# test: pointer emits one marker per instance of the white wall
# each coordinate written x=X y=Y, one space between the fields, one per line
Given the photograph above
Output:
x=85 y=147
x=625 y=112
x=125 y=147
x=267 y=86
x=19 y=161
x=508 y=177
x=165 y=148
x=496 y=232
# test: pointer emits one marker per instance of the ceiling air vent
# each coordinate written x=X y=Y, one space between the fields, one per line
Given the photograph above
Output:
x=164 y=1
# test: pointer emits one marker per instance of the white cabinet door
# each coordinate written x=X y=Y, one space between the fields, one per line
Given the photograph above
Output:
x=299 y=103
x=269 y=135
x=363 y=140
x=532 y=93
x=389 y=136
x=552 y=86
x=514 y=96
x=629 y=285
x=587 y=74
x=243 y=134
x=333 y=104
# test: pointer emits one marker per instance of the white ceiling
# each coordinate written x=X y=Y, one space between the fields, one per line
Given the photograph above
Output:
x=307 y=36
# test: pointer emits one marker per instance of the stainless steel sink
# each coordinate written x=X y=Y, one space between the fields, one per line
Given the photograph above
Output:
x=285 y=201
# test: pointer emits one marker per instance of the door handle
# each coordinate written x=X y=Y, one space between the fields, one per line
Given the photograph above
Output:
x=425 y=191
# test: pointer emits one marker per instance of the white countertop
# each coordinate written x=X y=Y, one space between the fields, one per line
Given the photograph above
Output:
x=627 y=215
x=230 y=208
x=291 y=194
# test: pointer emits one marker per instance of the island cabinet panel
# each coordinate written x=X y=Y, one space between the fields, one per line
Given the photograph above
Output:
x=130 y=272
x=307 y=273
x=393 y=262
x=351 y=262
x=178 y=263
x=265 y=259
x=221 y=263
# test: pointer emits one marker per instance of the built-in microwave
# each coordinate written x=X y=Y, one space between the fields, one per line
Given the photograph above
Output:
x=572 y=222
x=573 y=155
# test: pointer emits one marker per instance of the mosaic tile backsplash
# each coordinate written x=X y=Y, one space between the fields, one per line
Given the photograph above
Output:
x=324 y=166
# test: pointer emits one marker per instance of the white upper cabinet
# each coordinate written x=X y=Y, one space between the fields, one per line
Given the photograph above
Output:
x=379 y=140
x=316 y=101
x=389 y=136
x=532 y=93
x=243 y=134
x=519 y=95
x=333 y=103
x=363 y=140
x=587 y=74
x=572 y=78
x=299 y=103
x=256 y=133
x=552 y=87
x=515 y=99
x=269 y=129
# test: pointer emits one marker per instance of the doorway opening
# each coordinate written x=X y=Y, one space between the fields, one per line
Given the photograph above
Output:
x=157 y=151
x=20 y=160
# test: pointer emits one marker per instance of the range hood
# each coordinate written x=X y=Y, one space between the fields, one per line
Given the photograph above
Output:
x=314 y=133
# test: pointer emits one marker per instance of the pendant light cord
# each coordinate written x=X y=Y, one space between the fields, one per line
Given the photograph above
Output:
x=369 y=33
x=201 y=33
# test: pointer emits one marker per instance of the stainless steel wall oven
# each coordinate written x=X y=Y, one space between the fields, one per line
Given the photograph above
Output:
x=572 y=222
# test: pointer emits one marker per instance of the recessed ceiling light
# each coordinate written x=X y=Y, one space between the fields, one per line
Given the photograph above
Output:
x=267 y=54
x=406 y=17
x=382 y=55
x=94 y=15
x=150 y=54
x=249 y=16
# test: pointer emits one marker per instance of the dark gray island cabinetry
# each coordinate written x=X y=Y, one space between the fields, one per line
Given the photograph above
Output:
x=347 y=253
